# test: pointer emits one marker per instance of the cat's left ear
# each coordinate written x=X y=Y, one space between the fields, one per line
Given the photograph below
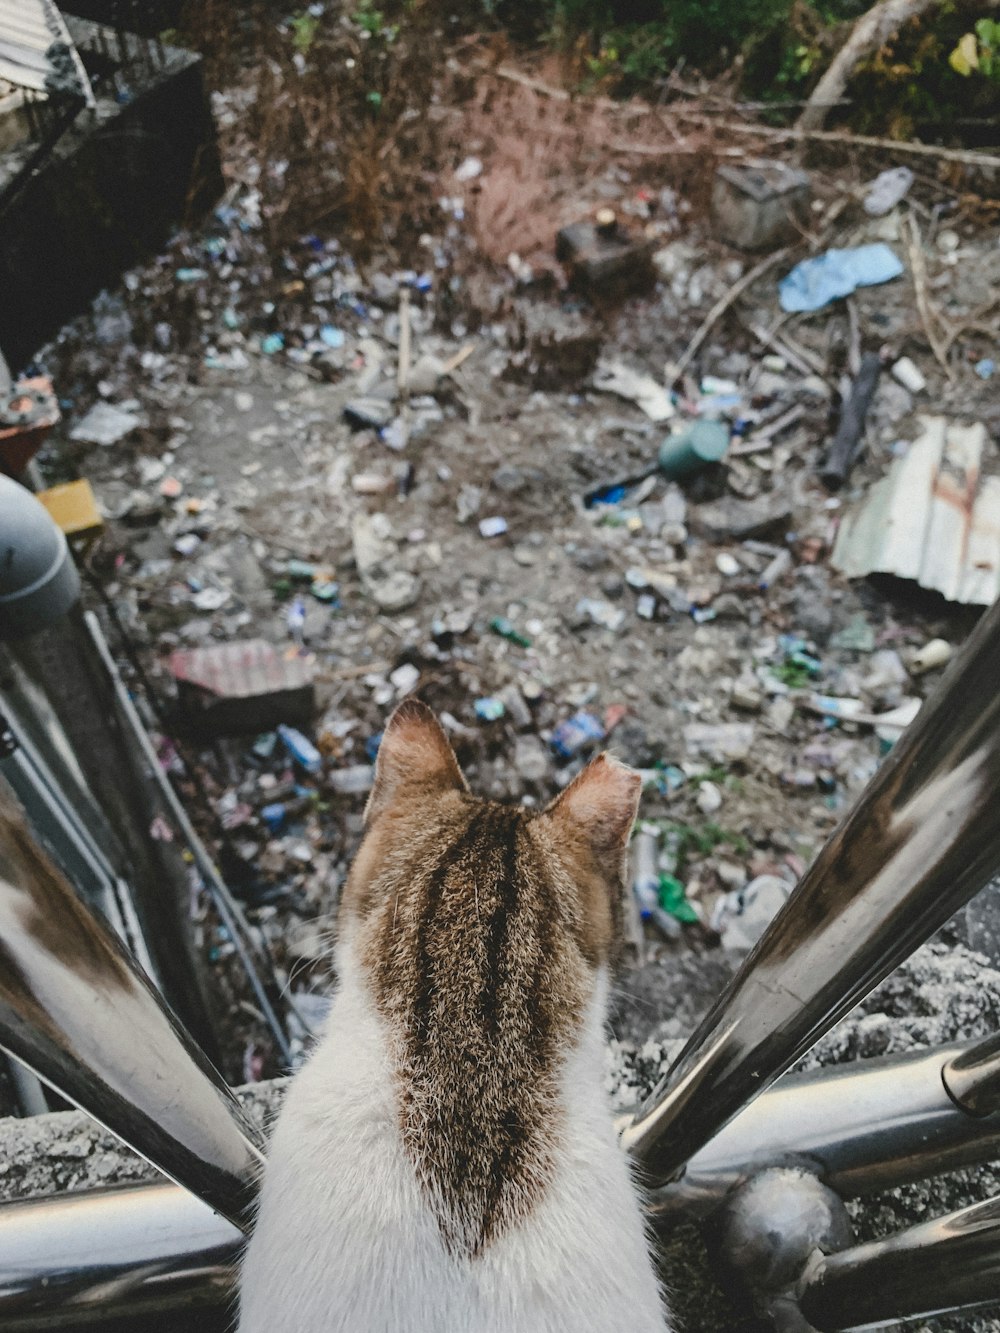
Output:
x=598 y=809
x=414 y=757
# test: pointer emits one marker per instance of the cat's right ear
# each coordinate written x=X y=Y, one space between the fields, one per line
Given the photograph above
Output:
x=414 y=756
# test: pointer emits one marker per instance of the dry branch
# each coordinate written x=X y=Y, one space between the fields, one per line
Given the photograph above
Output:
x=928 y=316
x=719 y=309
x=965 y=156
x=871 y=30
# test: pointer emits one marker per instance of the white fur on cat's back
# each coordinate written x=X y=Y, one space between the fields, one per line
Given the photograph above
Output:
x=346 y=1243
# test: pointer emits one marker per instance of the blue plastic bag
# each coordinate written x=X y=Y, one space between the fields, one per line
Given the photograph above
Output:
x=816 y=282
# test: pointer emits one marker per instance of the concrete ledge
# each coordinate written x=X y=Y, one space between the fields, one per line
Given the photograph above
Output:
x=51 y=1154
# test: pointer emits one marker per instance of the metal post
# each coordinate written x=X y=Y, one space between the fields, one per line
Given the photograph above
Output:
x=948 y=1264
x=83 y=1260
x=921 y=841
x=76 y=1010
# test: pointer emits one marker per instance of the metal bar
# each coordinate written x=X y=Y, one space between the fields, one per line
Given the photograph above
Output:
x=951 y=1263
x=30 y=1093
x=921 y=841
x=82 y=1260
x=225 y=904
x=58 y=823
x=75 y=1008
x=862 y=1127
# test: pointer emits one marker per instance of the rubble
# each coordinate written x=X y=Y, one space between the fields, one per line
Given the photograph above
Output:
x=107 y=424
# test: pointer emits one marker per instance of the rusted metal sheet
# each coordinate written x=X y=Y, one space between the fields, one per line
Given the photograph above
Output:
x=932 y=518
x=250 y=685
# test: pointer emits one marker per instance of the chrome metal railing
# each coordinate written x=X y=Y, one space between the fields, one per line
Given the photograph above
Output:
x=921 y=841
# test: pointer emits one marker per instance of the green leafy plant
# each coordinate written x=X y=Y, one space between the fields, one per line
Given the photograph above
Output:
x=792 y=674
x=631 y=44
x=303 y=28
x=978 y=51
x=701 y=840
x=372 y=21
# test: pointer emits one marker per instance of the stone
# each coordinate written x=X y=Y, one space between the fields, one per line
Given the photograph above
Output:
x=372 y=483
x=729 y=606
x=553 y=348
x=709 y=798
x=780 y=713
x=812 y=617
x=746 y=697
x=374 y=546
x=734 y=519
x=397 y=592
x=511 y=480
x=425 y=374
x=531 y=759
x=720 y=743
x=590 y=558
x=371 y=412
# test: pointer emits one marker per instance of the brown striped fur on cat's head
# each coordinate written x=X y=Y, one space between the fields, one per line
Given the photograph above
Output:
x=481 y=929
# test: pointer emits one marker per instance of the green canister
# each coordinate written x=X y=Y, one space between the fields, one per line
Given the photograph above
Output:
x=694 y=448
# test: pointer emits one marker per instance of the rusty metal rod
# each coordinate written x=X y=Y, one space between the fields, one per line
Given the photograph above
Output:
x=923 y=838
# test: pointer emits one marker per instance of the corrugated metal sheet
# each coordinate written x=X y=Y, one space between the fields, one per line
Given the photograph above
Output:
x=36 y=50
x=932 y=518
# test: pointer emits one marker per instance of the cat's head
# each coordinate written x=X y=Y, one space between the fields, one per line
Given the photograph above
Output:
x=423 y=826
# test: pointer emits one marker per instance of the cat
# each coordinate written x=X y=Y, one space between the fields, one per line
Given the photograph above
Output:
x=445 y=1161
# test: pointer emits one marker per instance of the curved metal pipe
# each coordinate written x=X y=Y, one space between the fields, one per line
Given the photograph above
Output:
x=83 y=1260
x=972 y=1077
x=921 y=841
x=867 y=1126
x=76 y=1010
x=951 y=1263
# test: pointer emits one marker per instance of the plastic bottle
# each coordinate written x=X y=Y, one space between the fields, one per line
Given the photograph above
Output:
x=300 y=748
x=646 y=882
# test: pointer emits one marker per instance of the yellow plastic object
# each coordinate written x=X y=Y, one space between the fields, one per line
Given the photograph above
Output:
x=74 y=508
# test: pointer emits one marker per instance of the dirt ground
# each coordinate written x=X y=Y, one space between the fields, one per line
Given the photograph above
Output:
x=647 y=612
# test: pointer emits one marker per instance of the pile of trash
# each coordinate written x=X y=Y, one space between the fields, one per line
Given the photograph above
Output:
x=324 y=489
